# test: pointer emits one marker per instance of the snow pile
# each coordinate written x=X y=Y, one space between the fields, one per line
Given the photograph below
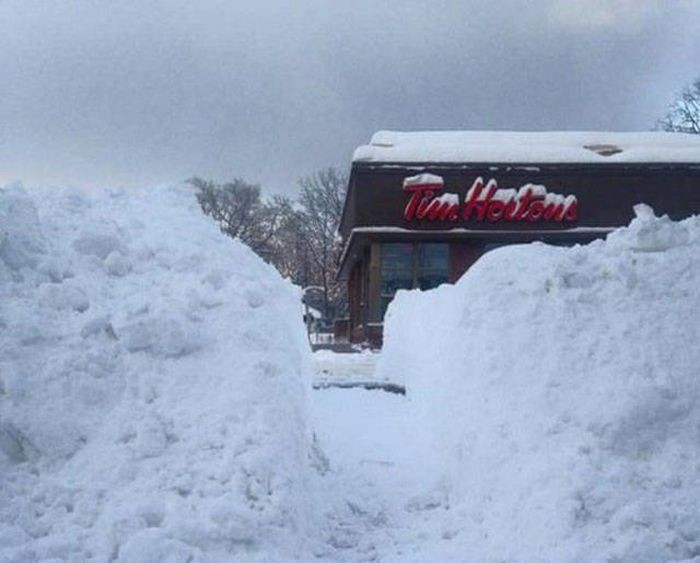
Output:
x=152 y=385
x=562 y=385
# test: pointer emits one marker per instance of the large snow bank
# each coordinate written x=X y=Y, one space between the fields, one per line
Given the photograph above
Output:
x=152 y=385
x=563 y=387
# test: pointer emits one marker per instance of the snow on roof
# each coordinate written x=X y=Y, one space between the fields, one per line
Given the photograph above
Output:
x=529 y=147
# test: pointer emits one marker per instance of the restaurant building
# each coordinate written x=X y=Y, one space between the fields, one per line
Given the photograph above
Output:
x=422 y=207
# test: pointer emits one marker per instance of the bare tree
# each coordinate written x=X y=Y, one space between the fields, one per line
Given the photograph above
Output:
x=287 y=248
x=238 y=209
x=300 y=238
x=684 y=114
x=321 y=199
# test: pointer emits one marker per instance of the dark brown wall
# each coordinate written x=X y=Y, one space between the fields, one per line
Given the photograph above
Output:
x=355 y=294
x=606 y=193
x=349 y=215
x=462 y=256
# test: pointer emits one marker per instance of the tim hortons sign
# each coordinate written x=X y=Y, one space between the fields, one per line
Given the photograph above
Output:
x=485 y=201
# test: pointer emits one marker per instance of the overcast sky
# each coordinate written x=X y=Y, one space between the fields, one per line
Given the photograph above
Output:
x=138 y=92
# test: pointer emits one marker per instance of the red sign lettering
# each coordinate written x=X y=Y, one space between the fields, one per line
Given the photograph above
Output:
x=485 y=202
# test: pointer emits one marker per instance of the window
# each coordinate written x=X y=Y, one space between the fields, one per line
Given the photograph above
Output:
x=409 y=266
x=433 y=263
x=397 y=270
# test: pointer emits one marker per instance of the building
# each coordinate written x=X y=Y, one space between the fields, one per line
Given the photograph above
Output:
x=423 y=206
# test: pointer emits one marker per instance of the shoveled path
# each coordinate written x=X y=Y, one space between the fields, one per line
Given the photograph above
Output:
x=383 y=473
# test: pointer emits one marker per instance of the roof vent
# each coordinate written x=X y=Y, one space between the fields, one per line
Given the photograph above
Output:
x=603 y=150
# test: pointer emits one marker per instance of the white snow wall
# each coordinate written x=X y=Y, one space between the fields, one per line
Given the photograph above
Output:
x=562 y=385
x=152 y=384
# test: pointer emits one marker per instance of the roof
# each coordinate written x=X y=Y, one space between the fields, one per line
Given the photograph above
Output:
x=543 y=147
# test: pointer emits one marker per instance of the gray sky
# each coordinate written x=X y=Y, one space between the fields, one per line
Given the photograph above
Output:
x=100 y=92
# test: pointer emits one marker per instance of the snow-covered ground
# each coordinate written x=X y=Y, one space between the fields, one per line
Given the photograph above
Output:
x=332 y=367
x=352 y=370
x=382 y=488
x=156 y=399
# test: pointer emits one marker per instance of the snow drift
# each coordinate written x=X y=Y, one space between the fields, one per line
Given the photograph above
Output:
x=152 y=385
x=563 y=387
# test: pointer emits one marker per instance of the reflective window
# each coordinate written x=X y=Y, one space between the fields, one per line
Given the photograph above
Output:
x=393 y=280
x=397 y=255
x=397 y=270
x=429 y=280
x=410 y=266
x=433 y=263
